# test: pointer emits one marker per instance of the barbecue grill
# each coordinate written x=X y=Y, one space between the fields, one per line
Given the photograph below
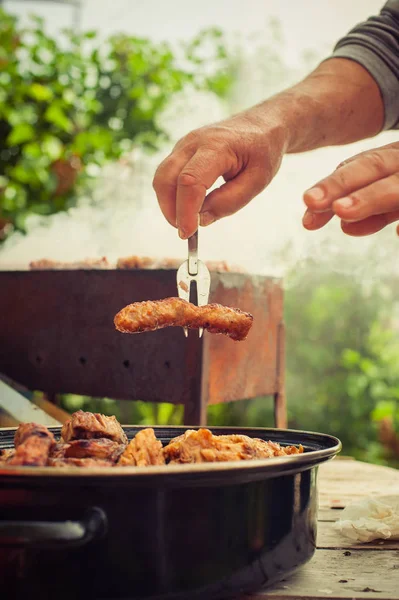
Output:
x=57 y=336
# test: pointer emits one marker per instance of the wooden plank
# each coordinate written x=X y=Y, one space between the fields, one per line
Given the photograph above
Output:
x=353 y=472
x=20 y=408
x=342 y=482
x=329 y=537
x=6 y=420
x=327 y=513
x=52 y=409
x=338 y=574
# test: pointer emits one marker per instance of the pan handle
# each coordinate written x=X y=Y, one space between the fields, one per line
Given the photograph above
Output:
x=54 y=534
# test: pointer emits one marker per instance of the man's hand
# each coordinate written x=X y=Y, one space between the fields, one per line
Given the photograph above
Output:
x=338 y=103
x=363 y=192
x=246 y=153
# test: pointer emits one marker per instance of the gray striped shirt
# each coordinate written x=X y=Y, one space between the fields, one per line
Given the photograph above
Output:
x=375 y=45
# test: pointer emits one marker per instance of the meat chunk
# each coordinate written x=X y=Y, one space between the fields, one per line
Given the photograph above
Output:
x=175 y=312
x=100 y=448
x=86 y=425
x=143 y=450
x=79 y=462
x=198 y=446
x=33 y=443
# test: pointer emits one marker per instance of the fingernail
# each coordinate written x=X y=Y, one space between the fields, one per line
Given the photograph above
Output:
x=182 y=234
x=345 y=202
x=206 y=218
x=308 y=218
x=316 y=194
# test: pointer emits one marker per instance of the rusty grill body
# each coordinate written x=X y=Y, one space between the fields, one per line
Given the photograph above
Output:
x=57 y=336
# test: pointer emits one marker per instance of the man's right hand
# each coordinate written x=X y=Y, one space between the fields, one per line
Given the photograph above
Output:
x=243 y=150
x=336 y=104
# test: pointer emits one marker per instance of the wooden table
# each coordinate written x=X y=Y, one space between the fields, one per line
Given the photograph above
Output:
x=340 y=569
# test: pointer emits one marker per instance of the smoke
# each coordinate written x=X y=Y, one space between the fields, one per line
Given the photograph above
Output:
x=121 y=216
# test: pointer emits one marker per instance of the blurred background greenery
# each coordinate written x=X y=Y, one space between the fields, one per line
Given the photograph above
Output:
x=72 y=103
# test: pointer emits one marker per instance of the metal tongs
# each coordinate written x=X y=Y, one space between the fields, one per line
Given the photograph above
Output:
x=193 y=270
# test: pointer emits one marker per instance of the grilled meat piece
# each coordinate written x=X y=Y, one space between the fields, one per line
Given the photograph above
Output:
x=175 y=312
x=146 y=262
x=58 y=451
x=100 y=448
x=85 y=425
x=6 y=455
x=45 y=264
x=202 y=446
x=143 y=450
x=33 y=443
x=285 y=450
x=136 y=262
x=79 y=462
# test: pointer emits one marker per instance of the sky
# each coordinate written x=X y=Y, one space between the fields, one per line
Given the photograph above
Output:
x=319 y=22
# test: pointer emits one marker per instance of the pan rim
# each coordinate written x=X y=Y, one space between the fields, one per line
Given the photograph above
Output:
x=308 y=459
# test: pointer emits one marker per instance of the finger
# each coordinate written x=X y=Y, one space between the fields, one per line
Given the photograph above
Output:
x=199 y=174
x=165 y=183
x=375 y=199
x=232 y=196
x=394 y=146
x=313 y=221
x=350 y=177
x=369 y=225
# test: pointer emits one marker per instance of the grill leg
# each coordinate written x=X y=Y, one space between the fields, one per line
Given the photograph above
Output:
x=195 y=411
x=280 y=402
x=280 y=410
x=195 y=405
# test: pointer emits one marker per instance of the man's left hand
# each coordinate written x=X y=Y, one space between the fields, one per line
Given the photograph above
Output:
x=363 y=192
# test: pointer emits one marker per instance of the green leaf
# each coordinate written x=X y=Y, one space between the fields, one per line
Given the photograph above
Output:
x=14 y=197
x=32 y=150
x=41 y=208
x=350 y=358
x=55 y=114
x=383 y=409
x=53 y=147
x=23 y=132
x=3 y=182
x=40 y=92
x=21 y=174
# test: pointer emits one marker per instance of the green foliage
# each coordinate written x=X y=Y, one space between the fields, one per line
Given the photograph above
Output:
x=73 y=101
x=342 y=357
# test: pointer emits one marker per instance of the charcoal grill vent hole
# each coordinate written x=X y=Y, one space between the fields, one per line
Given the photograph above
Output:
x=167 y=364
x=126 y=363
x=82 y=360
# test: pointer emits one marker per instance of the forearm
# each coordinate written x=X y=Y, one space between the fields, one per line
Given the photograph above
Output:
x=351 y=96
x=337 y=104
